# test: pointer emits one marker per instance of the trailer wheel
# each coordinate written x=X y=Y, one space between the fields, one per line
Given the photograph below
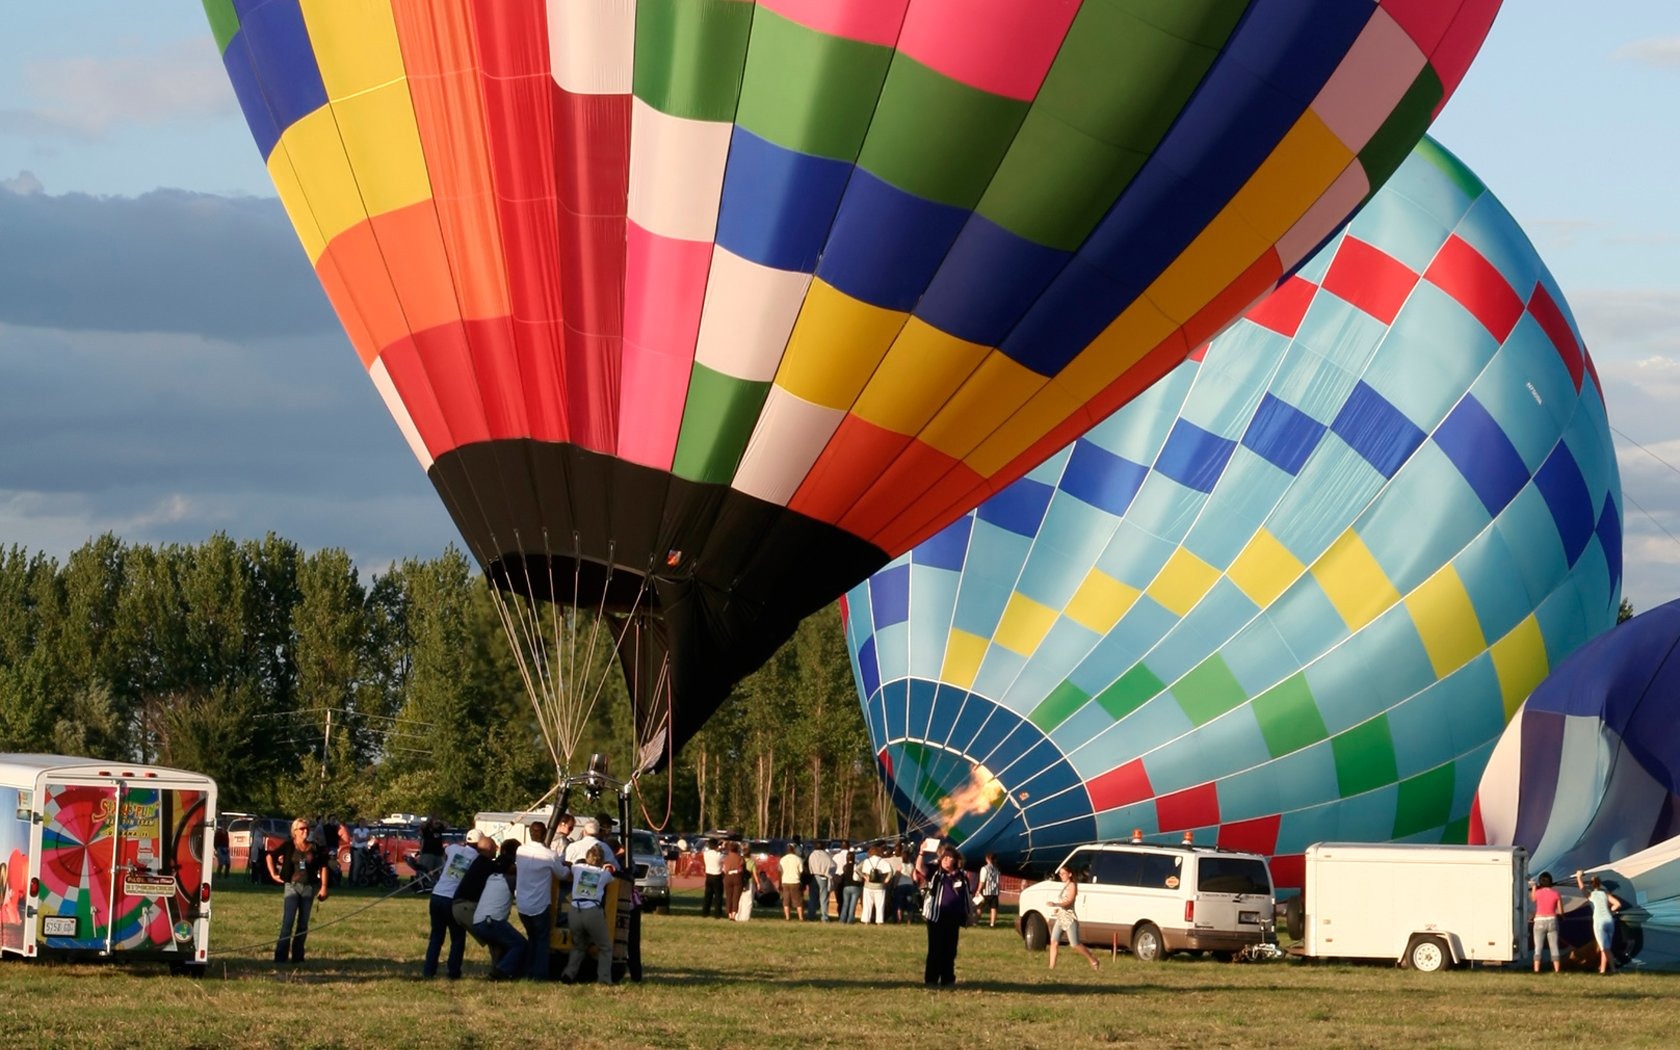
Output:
x=1294 y=918
x=1035 y=933
x=187 y=969
x=1147 y=944
x=1427 y=954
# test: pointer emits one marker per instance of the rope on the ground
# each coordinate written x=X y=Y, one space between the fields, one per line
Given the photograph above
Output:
x=414 y=885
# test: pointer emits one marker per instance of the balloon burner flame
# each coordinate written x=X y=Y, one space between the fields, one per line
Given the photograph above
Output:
x=981 y=794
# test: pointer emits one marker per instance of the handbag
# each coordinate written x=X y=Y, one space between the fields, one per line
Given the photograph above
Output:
x=927 y=906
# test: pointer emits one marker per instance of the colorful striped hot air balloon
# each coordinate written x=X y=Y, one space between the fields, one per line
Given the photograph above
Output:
x=699 y=310
x=1293 y=592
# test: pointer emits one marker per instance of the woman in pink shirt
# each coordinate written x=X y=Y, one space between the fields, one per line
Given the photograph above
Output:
x=1548 y=905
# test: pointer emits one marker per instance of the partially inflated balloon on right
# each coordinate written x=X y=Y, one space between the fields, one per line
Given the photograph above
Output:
x=1588 y=772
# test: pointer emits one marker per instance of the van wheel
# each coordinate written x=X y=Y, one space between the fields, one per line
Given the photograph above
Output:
x=1035 y=933
x=1427 y=954
x=1146 y=943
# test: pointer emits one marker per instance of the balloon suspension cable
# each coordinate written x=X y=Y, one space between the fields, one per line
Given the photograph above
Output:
x=643 y=736
x=530 y=659
x=617 y=643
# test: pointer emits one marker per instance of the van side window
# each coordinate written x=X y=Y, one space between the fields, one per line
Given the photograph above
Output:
x=1154 y=869
x=1114 y=869
x=1082 y=862
x=1233 y=875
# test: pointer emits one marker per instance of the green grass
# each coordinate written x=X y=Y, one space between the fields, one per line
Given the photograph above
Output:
x=770 y=983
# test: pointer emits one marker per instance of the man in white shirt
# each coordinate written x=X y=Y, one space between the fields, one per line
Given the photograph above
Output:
x=792 y=870
x=536 y=866
x=875 y=871
x=591 y=829
x=821 y=865
x=711 y=860
x=457 y=858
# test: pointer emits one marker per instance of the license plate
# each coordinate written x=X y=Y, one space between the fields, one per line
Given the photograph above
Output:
x=58 y=925
x=1250 y=918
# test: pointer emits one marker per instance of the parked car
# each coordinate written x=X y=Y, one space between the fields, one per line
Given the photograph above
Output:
x=251 y=839
x=653 y=875
x=1157 y=900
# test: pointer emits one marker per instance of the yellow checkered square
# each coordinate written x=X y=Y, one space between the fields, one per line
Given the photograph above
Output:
x=1519 y=659
x=1182 y=581
x=1024 y=624
x=1100 y=601
x=1264 y=569
x=963 y=653
x=1354 y=582
x=1445 y=619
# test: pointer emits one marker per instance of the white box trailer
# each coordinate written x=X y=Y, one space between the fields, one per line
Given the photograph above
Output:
x=1423 y=906
x=105 y=859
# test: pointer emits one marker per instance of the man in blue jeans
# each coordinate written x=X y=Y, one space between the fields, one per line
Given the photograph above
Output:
x=457 y=858
x=533 y=894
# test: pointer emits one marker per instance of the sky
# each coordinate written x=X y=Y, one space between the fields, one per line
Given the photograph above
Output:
x=170 y=368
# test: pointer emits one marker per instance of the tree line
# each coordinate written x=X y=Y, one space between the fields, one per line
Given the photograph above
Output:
x=303 y=690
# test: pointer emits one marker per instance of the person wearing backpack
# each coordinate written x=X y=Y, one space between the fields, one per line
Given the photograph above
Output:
x=874 y=873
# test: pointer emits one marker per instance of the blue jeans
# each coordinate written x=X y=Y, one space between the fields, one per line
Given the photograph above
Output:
x=296 y=899
x=816 y=904
x=537 y=928
x=443 y=922
x=499 y=933
x=849 y=896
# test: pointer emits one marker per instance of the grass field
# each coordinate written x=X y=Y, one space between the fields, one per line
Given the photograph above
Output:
x=772 y=984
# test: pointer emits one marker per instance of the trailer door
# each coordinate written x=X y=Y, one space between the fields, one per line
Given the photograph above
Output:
x=78 y=852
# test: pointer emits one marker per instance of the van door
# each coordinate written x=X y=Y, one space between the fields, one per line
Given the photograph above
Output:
x=1233 y=894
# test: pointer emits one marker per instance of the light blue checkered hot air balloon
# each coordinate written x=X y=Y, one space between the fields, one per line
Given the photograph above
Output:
x=1294 y=591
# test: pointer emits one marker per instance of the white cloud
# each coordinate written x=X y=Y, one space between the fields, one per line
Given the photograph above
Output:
x=1662 y=52
x=86 y=97
x=26 y=184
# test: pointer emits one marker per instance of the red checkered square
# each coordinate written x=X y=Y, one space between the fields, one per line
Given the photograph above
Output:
x=1283 y=309
x=1477 y=285
x=1556 y=326
x=1251 y=836
x=1120 y=786
x=1196 y=807
x=1370 y=279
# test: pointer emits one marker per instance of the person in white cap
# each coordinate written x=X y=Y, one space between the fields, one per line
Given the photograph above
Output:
x=591 y=836
x=456 y=859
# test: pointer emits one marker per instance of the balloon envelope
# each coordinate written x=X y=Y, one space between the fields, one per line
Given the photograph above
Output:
x=701 y=309
x=1588 y=772
x=1293 y=592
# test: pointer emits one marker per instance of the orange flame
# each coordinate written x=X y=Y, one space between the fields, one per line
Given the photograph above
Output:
x=980 y=794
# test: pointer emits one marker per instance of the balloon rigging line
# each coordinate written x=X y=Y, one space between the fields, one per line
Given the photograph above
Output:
x=1637 y=505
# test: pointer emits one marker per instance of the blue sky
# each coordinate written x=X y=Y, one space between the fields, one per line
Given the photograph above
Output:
x=168 y=366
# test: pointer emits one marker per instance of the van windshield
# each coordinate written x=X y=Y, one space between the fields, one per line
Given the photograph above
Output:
x=1243 y=875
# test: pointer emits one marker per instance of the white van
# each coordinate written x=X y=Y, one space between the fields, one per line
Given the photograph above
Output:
x=1157 y=900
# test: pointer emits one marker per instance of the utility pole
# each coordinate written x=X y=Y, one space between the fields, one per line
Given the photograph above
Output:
x=326 y=739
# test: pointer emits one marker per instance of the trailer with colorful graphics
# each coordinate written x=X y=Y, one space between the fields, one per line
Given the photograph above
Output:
x=105 y=859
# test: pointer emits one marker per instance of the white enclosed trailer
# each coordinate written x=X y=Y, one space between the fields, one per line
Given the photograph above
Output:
x=105 y=859
x=1423 y=906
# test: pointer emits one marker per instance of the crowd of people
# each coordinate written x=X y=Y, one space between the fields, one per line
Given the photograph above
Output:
x=874 y=885
x=477 y=888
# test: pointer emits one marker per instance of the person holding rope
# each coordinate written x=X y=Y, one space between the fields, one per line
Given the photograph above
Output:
x=300 y=867
x=456 y=859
